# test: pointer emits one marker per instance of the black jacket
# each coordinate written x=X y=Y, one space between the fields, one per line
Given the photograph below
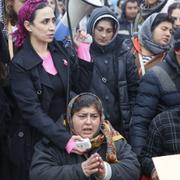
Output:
x=115 y=77
x=50 y=163
x=126 y=27
x=115 y=81
x=154 y=96
x=33 y=92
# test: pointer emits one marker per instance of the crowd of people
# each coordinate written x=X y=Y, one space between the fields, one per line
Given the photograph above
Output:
x=116 y=85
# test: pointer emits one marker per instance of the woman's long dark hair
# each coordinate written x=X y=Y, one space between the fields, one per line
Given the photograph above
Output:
x=4 y=55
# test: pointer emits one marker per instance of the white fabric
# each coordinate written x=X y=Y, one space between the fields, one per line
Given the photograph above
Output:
x=108 y=171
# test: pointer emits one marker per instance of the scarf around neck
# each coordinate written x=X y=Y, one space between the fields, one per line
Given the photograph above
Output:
x=147 y=11
x=105 y=134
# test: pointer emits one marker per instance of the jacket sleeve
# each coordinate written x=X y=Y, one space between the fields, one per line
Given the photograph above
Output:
x=31 y=109
x=128 y=91
x=132 y=79
x=145 y=109
x=128 y=167
x=47 y=164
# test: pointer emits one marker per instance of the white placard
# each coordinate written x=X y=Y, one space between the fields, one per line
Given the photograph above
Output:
x=168 y=167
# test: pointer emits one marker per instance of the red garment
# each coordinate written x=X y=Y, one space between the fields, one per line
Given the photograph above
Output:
x=145 y=178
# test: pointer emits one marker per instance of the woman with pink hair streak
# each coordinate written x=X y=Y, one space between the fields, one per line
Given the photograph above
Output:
x=42 y=74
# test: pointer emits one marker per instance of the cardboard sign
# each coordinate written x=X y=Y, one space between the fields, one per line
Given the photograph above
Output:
x=168 y=167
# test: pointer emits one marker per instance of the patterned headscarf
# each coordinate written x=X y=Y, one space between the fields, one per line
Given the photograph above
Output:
x=25 y=13
x=106 y=132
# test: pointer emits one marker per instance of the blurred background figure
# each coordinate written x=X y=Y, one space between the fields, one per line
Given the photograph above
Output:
x=174 y=12
x=54 y=6
x=128 y=15
x=61 y=8
x=147 y=8
x=169 y=2
x=118 y=8
x=11 y=9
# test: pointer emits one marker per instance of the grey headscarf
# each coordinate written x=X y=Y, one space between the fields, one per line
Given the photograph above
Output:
x=147 y=11
x=146 y=38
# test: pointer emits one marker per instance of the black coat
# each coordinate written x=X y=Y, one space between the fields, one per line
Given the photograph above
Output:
x=153 y=97
x=33 y=92
x=115 y=81
x=49 y=163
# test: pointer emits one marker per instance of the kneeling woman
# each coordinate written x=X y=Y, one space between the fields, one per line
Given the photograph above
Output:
x=110 y=157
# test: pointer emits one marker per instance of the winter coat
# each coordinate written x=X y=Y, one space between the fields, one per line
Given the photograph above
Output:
x=50 y=163
x=156 y=93
x=33 y=91
x=115 y=77
x=126 y=27
x=163 y=138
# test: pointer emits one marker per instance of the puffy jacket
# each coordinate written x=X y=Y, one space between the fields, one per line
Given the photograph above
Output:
x=153 y=97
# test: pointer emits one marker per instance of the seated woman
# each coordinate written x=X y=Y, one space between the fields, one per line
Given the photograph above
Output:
x=110 y=156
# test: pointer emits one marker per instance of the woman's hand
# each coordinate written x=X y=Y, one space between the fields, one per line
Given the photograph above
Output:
x=101 y=170
x=154 y=175
x=82 y=37
x=83 y=42
x=76 y=149
x=91 y=165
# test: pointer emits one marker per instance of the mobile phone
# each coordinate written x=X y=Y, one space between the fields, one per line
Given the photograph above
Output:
x=84 y=144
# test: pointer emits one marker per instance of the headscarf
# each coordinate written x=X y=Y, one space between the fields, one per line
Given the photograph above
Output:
x=106 y=132
x=25 y=13
x=147 y=11
x=146 y=38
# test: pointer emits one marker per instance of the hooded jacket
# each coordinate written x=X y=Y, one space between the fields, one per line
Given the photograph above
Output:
x=126 y=27
x=115 y=76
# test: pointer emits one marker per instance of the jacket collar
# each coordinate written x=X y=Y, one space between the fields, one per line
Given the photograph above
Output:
x=30 y=59
x=172 y=61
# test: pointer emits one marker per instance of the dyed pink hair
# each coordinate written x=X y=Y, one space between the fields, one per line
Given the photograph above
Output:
x=24 y=14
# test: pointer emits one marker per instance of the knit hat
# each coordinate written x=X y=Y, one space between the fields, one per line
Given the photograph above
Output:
x=25 y=13
x=177 y=39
